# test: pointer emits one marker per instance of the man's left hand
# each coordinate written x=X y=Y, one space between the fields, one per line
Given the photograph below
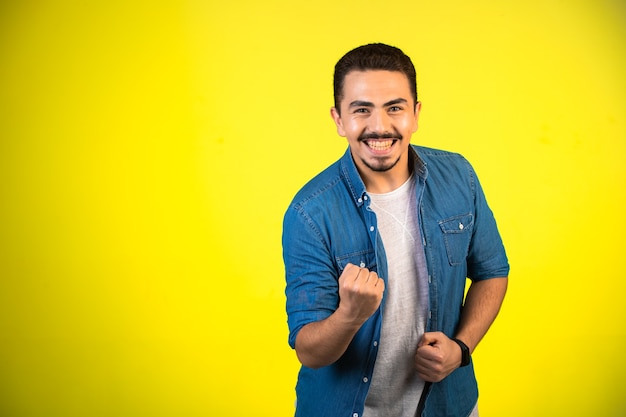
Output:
x=436 y=357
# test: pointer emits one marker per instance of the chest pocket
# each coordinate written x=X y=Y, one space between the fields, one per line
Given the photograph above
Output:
x=457 y=233
x=362 y=259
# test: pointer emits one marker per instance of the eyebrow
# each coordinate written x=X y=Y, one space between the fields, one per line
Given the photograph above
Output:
x=362 y=103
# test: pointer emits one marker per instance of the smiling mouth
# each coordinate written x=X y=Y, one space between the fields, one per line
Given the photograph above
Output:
x=380 y=144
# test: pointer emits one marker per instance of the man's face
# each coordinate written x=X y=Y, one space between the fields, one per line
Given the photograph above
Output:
x=378 y=117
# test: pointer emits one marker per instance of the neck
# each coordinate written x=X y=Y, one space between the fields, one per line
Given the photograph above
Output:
x=385 y=182
x=381 y=182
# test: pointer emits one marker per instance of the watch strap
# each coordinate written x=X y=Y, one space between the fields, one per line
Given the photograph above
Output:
x=465 y=352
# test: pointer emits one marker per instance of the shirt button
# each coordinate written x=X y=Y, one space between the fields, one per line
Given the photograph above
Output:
x=461 y=226
x=365 y=379
x=375 y=343
x=371 y=228
x=355 y=415
x=364 y=197
x=362 y=264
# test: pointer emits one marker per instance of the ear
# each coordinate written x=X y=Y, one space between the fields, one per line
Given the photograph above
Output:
x=418 y=108
x=338 y=122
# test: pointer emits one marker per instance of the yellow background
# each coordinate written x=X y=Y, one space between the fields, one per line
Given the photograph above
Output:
x=148 y=151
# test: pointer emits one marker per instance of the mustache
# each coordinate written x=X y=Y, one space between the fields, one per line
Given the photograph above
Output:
x=378 y=135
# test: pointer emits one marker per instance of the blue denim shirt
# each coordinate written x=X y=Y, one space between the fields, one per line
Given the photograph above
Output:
x=330 y=224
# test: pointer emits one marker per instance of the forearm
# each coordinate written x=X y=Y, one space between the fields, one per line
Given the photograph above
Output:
x=323 y=342
x=482 y=305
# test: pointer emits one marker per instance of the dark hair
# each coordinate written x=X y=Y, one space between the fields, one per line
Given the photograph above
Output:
x=375 y=56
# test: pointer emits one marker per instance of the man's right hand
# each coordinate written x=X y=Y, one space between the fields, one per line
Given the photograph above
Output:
x=323 y=342
x=360 y=293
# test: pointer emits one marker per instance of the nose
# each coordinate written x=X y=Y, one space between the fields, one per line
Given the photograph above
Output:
x=379 y=122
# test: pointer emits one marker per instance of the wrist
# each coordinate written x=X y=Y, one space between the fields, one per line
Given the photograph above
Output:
x=465 y=352
x=346 y=319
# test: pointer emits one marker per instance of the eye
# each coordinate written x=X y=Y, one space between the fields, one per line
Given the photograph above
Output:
x=361 y=110
x=395 y=109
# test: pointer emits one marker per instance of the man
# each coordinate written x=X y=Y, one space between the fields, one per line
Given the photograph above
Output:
x=377 y=249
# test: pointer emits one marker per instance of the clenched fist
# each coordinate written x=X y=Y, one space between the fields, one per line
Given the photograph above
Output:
x=360 y=293
x=436 y=357
x=321 y=343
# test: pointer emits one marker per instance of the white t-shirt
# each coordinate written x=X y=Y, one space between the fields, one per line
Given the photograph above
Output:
x=395 y=388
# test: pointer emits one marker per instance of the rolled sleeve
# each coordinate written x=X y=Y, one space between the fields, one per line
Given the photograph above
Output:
x=311 y=278
x=487 y=256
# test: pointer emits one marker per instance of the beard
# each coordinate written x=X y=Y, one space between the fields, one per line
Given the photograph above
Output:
x=381 y=164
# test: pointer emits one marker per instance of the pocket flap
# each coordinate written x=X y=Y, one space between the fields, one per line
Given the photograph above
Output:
x=363 y=259
x=457 y=224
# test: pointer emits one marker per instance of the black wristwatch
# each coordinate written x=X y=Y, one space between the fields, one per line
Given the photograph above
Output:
x=465 y=353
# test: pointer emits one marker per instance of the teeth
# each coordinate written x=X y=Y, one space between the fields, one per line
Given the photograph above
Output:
x=380 y=145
